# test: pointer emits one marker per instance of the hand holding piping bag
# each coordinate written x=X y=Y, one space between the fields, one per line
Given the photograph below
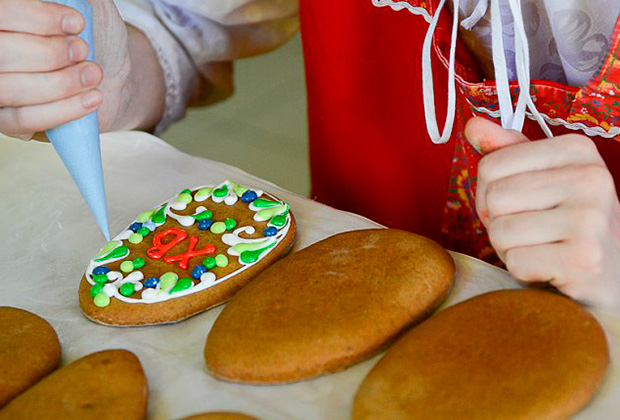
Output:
x=551 y=210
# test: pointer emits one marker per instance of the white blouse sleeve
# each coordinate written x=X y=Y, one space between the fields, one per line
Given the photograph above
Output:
x=196 y=42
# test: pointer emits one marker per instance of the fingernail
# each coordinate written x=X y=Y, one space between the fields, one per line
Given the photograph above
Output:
x=89 y=76
x=77 y=51
x=91 y=99
x=71 y=24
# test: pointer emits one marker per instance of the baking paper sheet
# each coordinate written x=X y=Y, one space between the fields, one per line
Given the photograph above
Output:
x=47 y=237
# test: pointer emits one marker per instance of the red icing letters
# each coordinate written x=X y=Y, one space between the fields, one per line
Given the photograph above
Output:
x=159 y=250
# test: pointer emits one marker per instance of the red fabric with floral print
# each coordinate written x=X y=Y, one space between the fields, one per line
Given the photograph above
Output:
x=369 y=149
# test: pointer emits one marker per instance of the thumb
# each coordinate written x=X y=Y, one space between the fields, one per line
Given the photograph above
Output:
x=487 y=136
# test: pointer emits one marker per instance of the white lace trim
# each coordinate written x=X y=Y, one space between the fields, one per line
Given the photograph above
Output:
x=590 y=131
x=400 y=5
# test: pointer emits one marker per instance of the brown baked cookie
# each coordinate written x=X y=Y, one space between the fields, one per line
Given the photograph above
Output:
x=328 y=306
x=513 y=354
x=29 y=350
x=104 y=385
x=220 y=416
x=186 y=255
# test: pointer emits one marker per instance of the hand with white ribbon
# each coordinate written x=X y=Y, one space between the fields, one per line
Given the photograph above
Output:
x=551 y=211
x=45 y=80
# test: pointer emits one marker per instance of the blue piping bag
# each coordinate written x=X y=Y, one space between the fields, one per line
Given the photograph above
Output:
x=77 y=142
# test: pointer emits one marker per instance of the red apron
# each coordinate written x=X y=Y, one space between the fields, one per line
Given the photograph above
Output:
x=369 y=149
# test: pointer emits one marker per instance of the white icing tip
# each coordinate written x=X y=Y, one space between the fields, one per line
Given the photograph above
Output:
x=207 y=277
x=109 y=290
x=149 y=295
x=231 y=199
x=178 y=205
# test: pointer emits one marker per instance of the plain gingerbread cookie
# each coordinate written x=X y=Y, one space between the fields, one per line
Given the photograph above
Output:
x=328 y=306
x=186 y=255
x=108 y=385
x=514 y=354
x=29 y=350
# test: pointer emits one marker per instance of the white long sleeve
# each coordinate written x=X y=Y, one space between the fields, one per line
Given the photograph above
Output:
x=196 y=42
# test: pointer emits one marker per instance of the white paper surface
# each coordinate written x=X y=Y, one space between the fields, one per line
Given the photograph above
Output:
x=47 y=237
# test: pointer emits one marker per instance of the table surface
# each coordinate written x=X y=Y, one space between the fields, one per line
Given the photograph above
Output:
x=48 y=237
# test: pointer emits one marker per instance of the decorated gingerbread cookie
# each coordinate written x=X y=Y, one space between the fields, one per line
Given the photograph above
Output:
x=186 y=255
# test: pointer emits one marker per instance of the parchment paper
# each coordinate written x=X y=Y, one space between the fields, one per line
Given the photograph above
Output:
x=47 y=236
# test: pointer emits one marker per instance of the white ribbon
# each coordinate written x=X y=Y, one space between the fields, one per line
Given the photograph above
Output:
x=510 y=118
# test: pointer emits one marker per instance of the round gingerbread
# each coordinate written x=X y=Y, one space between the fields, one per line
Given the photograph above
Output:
x=186 y=255
x=328 y=306
x=29 y=350
x=105 y=385
x=517 y=354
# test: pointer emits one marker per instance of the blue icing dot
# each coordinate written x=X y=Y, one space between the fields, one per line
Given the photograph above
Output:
x=270 y=231
x=101 y=270
x=198 y=271
x=205 y=224
x=150 y=225
x=249 y=196
x=135 y=226
x=151 y=282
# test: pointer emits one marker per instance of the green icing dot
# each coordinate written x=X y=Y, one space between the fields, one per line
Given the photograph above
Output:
x=169 y=276
x=144 y=231
x=239 y=190
x=203 y=194
x=249 y=257
x=206 y=214
x=100 y=278
x=221 y=192
x=239 y=248
x=210 y=263
x=96 y=289
x=109 y=247
x=182 y=284
x=138 y=263
x=279 y=220
x=160 y=216
x=263 y=202
x=230 y=223
x=127 y=289
x=167 y=281
x=218 y=227
x=127 y=266
x=185 y=197
x=102 y=300
x=221 y=260
x=266 y=214
x=135 y=238
x=145 y=216
x=119 y=252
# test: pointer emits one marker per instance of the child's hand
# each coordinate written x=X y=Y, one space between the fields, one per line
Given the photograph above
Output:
x=44 y=80
x=551 y=210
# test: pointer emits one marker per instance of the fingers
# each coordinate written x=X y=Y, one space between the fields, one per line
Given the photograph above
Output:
x=23 y=89
x=31 y=53
x=487 y=136
x=524 y=229
x=39 y=18
x=35 y=118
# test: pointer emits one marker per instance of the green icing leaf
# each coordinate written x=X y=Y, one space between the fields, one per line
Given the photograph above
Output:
x=119 y=252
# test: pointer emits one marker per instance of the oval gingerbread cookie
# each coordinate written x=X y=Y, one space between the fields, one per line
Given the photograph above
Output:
x=186 y=255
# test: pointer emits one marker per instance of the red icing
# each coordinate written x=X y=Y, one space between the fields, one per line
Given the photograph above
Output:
x=159 y=249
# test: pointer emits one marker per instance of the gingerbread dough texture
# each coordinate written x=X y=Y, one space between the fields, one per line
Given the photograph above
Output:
x=29 y=350
x=513 y=354
x=328 y=306
x=105 y=385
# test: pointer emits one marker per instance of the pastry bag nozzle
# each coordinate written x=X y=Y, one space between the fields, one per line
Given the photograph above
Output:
x=77 y=142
